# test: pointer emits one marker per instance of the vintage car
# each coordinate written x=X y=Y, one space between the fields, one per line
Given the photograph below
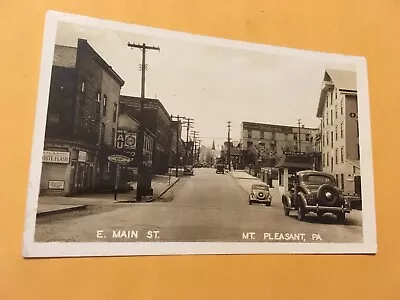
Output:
x=188 y=170
x=259 y=193
x=220 y=169
x=314 y=191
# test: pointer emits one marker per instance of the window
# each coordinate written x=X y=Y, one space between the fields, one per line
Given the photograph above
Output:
x=102 y=133
x=115 y=112
x=341 y=130
x=341 y=107
x=335 y=93
x=307 y=137
x=336 y=112
x=323 y=159
x=327 y=138
x=104 y=105
x=83 y=86
x=331 y=117
x=249 y=134
x=295 y=136
x=113 y=137
x=337 y=179
x=342 y=154
x=336 y=156
x=336 y=133
x=331 y=93
x=98 y=102
x=358 y=151
x=327 y=159
x=262 y=135
x=327 y=98
x=332 y=139
x=327 y=118
x=83 y=92
x=342 y=180
x=323 y=140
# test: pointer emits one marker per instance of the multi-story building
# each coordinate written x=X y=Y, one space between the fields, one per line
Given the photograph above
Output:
x=268 y=141
x=337 y=110
x=128 y=130
x=156 y=120
x=81 y=120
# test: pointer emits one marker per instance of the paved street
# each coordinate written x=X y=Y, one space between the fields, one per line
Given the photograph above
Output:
x=203 y=207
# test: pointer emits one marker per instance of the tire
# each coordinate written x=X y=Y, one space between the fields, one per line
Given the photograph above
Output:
x=320 y=215
x=328 y=195
x=301 y=213
x=341 y=217
x=268 y=204
x=286 y=211
x=250 y=202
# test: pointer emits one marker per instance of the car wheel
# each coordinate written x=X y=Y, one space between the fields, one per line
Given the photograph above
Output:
x=341 y=217
x=286 y=210
x=300 y=213
x=268 y=204
x=250 y=202
x=320 y=215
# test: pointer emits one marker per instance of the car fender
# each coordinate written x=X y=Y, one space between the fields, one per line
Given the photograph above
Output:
x=303 y=198
x=287 y=199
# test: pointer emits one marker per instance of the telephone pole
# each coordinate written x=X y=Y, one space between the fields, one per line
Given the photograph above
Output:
x=188 y=124
x=229 y=146
x=195 y=136
x=144 y=182
x=299 y=137
x=177 y=157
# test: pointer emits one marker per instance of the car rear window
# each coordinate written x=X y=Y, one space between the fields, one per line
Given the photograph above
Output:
x=260 y=187
x=318 y=179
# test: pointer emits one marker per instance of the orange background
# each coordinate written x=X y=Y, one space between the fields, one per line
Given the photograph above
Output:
x=358 y=27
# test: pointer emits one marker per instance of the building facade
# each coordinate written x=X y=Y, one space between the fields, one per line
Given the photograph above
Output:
x=266 y=142
x=83 y=102
x=338 y=112
x=158 y=122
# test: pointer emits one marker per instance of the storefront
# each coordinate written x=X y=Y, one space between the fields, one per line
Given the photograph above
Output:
x=67 y=169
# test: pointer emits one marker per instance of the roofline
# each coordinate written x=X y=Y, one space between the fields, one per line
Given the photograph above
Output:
x=277 y=125
x=149 y=100
x=103 y=63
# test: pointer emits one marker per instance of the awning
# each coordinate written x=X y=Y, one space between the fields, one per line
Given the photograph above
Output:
x=294 y=161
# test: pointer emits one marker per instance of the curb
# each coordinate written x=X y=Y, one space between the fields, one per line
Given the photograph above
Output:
x=167 y=189
x=62 y=210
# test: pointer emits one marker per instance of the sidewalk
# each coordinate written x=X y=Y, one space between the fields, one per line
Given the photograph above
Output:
x=56 y=204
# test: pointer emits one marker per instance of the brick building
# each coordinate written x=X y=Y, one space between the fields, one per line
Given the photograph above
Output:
x=157 y=121
x=81 y=121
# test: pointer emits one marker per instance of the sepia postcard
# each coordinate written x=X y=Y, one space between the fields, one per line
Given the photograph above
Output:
x=154 y=142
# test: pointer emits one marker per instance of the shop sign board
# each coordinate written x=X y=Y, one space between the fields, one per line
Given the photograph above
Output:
x=56 y=157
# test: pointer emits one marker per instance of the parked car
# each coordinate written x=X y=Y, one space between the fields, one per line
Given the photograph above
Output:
x=259 y=193
x=188 y=170
x=220 y=169
x=317 y=192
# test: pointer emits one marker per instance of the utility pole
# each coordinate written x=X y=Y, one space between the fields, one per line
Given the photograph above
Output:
x=144 y=181
x=188 y=125
x=229 y=146
x=299 y=137
x=178 y=123
x=194 y=154
x=198 y=151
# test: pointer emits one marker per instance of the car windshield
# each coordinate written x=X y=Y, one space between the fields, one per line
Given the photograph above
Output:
x=260 y=187
x=318 y=179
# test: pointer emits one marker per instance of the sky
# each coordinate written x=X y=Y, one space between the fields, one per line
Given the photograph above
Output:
x=210 y=83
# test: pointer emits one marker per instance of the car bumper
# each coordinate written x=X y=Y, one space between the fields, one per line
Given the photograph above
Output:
x=266 y=200
x=319 y=208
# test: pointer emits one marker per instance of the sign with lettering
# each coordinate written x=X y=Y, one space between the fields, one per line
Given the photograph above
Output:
x=56 y=157
x=293 y=153
x=119 y=159
x=120 y=141
x=56 y=184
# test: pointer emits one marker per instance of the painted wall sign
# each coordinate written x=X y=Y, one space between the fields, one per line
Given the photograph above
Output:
x=56 y=157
